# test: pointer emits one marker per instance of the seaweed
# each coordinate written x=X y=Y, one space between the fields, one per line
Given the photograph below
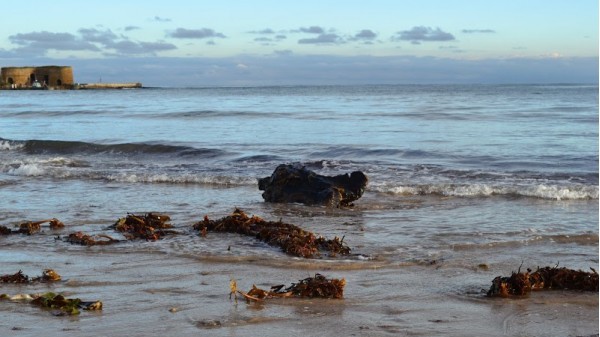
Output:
x=18 y=277
x=151 y=226
x=311 y=287
x=60 y=305
x=64 y=306
x=292 y=239
x=547 y=278
x=31 y=227
x=5 y=230
x=48 y=275
x=83 y=239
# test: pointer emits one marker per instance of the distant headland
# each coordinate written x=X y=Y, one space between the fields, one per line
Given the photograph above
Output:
x=50 y=78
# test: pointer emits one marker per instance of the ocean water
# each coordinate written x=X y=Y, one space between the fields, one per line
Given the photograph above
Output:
x=466 y=183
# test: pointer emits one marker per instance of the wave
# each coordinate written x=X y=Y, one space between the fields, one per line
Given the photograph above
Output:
x=33 y=147
x=541 y=191
x=164 y=178
x=64 y=168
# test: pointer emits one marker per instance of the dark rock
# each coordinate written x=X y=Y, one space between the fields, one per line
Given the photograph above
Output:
x=295 y=183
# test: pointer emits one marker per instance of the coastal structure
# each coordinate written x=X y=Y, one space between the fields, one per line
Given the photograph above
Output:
x=51 y=77
x=56 y=77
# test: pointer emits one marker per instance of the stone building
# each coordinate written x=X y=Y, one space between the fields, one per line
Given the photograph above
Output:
x=27 y=77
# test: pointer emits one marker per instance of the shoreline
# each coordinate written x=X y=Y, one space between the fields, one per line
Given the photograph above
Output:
x=83 y=86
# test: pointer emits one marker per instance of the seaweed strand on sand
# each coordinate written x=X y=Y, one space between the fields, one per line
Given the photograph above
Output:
x=292 y=239
x=520 y=284
x=57 y=303
x=48 y=275
x=311 y=287
x=32 y=227
x=151 y=226
x=83 y=239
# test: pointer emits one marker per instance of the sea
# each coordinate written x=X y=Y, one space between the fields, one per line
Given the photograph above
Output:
x=466 y=183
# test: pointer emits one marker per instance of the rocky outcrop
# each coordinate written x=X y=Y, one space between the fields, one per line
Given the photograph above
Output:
x=295 y=183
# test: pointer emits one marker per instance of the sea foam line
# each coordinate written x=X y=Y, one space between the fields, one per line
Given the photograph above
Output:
x=543 y=191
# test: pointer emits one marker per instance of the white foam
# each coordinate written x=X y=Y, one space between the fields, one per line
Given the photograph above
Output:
x=181 y=179
x=28 y=170
x=556 y=192
x=6 y=145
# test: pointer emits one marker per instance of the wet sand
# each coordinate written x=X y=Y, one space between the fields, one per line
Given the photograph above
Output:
x=165 y=288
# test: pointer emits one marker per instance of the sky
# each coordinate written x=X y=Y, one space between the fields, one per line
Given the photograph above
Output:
x=260 y=42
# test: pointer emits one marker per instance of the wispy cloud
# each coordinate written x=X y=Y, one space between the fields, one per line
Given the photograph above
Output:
x=202 y=33
x=86 y=39
x=419 y=34
x=266 y=31
x=310 y=30
x=481 y=31
x=41 y=42
x=329 y=38
x=160 y=19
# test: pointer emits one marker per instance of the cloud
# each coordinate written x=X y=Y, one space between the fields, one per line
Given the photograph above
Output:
x=42 y=42
x=422 y=33
x=330 y=38
x=310 y=30
x=122 y=45
x=266 y=31
x=203 y=33
x=159 y=19
x=105 y=37
x=87 y=39
x=364 y=35
x=474 y=31
x=130 y=28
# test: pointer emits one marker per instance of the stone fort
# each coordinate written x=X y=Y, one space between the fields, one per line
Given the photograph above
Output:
x=59 y=77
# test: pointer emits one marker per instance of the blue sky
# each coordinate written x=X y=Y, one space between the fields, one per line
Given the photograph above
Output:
x=187 y=43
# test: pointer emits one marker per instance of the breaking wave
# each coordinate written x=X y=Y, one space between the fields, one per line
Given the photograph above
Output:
x=541 y=191
x=64 y=168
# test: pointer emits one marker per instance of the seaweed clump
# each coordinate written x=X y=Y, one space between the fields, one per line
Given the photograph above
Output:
x=292 y=239
x=60 y=305
x=64 y=306
x=520 y=284
x=48 y=275
x=32 y=227
x=151 y=226
x=311 y=287
x=83 y=239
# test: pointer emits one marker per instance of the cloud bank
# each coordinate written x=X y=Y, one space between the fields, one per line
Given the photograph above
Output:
x=87 y=39
x=285 y=68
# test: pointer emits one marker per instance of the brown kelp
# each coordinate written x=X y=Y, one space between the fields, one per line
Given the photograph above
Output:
x=48 y=275
x=83 y=239
x=520 y=284
x=292 y=239
x=31 y=227
x=311 y=287
x=151 y=226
